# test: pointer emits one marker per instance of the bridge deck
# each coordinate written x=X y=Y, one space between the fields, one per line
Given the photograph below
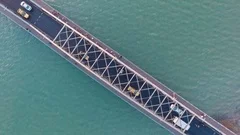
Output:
x=112 y=70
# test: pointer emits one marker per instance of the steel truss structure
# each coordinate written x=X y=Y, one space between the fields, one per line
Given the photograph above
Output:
x=116 y=73
x=125 y=80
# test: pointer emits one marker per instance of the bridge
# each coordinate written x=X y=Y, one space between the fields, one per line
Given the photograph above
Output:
x=112 y=70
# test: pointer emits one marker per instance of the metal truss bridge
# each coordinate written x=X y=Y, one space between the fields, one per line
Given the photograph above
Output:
x=112 y=70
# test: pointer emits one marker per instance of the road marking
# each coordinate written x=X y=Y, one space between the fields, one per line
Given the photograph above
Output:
x=38 y=18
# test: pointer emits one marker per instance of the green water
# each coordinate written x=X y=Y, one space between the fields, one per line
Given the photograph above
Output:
x=192 y=47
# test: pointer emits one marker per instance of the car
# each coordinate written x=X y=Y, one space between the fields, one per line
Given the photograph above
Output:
x=26 y=6
x=23 y=13
x=133 y=91
x=176 y=109
x=180 y=123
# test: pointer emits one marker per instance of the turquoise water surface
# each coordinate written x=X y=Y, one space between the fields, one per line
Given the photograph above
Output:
x=192 y=47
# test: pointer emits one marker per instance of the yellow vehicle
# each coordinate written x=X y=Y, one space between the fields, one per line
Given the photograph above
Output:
x=23 y=13
x=86 y=57
x=133 y=91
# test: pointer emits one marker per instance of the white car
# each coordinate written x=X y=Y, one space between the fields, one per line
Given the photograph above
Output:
x=183 y=125
x=176 y=109
x=26 y=6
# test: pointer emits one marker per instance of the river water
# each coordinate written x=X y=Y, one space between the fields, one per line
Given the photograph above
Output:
x=190 y=46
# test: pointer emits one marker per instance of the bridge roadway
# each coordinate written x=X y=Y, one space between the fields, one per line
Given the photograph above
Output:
x=111 y=69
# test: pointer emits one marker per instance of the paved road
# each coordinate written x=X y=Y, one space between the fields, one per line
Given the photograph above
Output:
x=37 y=17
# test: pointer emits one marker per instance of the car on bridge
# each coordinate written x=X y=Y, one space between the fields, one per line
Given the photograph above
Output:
x=133 y=91
x=180 y=123
x=176 y=109
x=23 y=13
x=26 y=6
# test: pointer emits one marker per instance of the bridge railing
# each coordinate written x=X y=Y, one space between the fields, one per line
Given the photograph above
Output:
x=121 y=77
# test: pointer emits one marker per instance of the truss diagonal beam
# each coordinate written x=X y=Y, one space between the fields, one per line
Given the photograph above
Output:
x=140 y=89
x=117 y=75
x=67 y=39
x=170 y=111
x=128 y=82
x=107 y=67
x=189 y=123
x=59 y=33
x=85 y=53
x=150 y=97
x=160 y=104
x=181 y=115
x=96 y=59
x=76 y=46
